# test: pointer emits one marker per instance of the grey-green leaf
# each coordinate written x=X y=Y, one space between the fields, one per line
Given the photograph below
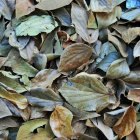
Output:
x=34 y=25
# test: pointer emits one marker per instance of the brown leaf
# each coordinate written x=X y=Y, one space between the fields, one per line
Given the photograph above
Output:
x=137 y=130
x=106 y=19
x=134 y=95
x=24 y=7
x=60 y=122
x=126 y=124
x=74 y=56
x=130 y=34
x=52 y=4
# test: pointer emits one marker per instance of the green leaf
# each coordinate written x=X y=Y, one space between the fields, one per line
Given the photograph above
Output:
x=87 y=92
x=119 y=68
x=34 y=25
x=26 y=131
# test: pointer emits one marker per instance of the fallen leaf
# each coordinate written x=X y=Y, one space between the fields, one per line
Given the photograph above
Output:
x=24 y=7
x=86 y=92
x=19 y=65
x=119 y=68
x=14 y=97
x=5 y=10
x=4 y=110
x=46 y=105
x=104 y=5
x=74 y=56
x=106 y=19
x=130 y=34
x=49 y=5
x=10 y=83
x=133 y=77
x=134 y=95
x=131 y=15
x=132 y=3
x=126 y=124
x=107 y=131
x=120 y=45
x=79 y=19
x=26 y=131
x=137 y=132
x=45 y=78
x=136 y=51
x=60 y=122
x=33 y=25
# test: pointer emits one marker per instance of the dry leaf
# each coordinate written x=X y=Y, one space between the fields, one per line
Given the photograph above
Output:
x=52 y=4
x=74 y=56
x=60 y=122
x=24 y=7
x=136 y=51
x=14 y=97
x=137 y=130
x=134 y=95
x=126 y=124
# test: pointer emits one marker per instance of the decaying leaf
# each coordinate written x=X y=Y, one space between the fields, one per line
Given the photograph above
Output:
x=126 y=124
x=60 y=122
x=24 y=7
x=130 y=34
x=137 y=130
x=5 y=10
x=134 y=95
x=106 y=19
x=14 y=97
x=45 y=78
x=104 y=5
x=119 y=68
x=86 y=92
x=136 y=52
x=104 y=128
x=27 y=130
x=34 y=25
x=74 y=56
x=80 y=22
x=53 y=4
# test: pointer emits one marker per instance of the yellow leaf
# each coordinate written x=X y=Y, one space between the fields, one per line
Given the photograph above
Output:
x=60 y=122
x=14 y=97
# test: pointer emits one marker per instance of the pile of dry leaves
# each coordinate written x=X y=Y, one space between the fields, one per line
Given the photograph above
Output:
x=70 y=69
